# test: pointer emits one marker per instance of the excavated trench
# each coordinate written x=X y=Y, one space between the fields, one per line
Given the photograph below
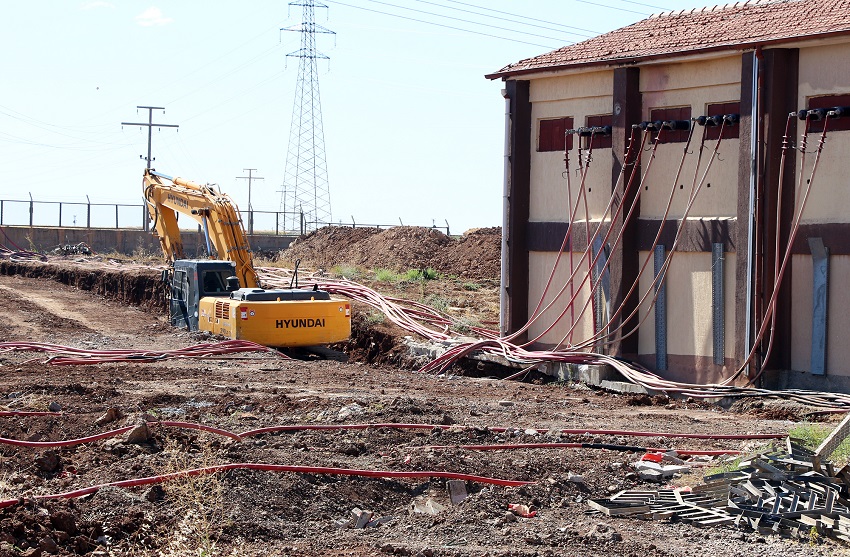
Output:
x=138 y=287
x=142 y=287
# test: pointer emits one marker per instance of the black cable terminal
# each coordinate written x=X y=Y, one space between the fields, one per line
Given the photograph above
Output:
x=594 y=130
x=731 y=119
x=839 y=111
x=676 y=125
x=710 y=121
x=651 y=126
x=817 y=114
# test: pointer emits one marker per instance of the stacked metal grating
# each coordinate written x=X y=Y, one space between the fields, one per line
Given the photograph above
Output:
x=784 y=490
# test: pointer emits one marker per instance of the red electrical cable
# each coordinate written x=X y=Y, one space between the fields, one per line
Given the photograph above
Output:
x=517 y=446
x=596 y=336
x=11 y=413
x=66 y=355
x=620 y=178
x=624 y=433
x=115 y=433
x=604 y=240
x=279 y=468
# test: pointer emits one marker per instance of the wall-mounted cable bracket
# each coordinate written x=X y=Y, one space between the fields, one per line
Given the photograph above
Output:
x=820 y=304
x=660 y=311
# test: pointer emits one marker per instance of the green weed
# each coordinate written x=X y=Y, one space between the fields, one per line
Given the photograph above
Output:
x=439 y=303
x=812 y=435
x=386 y=275
x=345 y=271
x=374 y=318
x=413 y=275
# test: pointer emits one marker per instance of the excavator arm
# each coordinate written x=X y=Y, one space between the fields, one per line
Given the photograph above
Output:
x=217 y=214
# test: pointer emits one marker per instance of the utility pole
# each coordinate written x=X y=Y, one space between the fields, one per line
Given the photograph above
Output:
x=250 y=177
x=150 y=125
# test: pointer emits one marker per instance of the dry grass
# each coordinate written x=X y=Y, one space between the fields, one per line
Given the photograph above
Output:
x=199 y=499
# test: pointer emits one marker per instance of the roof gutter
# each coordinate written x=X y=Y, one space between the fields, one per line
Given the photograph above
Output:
x=635 y=60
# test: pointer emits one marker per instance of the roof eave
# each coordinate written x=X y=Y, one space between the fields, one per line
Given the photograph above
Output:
x=637 y=59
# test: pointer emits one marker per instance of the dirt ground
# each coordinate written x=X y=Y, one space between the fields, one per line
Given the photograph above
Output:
x=244 y=512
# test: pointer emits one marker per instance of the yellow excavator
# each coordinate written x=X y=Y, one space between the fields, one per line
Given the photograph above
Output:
x=223 y=296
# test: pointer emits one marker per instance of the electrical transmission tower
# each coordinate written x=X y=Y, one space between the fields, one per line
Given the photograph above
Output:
x=305 y=182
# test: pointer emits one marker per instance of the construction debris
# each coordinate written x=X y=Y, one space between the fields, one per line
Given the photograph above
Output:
x=457 y=491
x=784 y=490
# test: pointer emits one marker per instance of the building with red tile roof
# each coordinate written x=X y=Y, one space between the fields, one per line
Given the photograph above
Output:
x=705 y=252
x=736 y=26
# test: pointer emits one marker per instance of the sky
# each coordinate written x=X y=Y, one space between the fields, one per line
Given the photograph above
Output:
x=414 y=133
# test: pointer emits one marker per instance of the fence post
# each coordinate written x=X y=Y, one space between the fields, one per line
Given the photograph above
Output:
x=1 y=212
x=116 y=215
x=60 y=214
x=447 y=227
x=303 y=224
x=88 y=212
x=30 y=209
x=353 y=224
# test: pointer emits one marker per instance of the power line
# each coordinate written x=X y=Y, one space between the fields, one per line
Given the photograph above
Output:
x=523 y=17
x=614 y=8
x=464 y=20
x=642 y=4
x=505 y=19
x=441 y=25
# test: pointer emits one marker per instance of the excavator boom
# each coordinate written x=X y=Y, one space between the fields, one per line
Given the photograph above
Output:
x=214 y=211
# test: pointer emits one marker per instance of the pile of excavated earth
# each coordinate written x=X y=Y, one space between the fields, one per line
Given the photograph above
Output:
x=474 y=255
x=309 y=457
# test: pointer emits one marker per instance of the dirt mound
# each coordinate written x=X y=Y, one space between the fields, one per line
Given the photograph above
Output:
x=475 y=255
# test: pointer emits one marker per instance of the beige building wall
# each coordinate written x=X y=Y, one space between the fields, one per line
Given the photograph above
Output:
x=689 y=315
x=695 y=84
x=825 y=70
x=540 y=265
x=577 y=96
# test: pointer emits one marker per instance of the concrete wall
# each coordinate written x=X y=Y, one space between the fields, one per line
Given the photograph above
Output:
x=128 y=242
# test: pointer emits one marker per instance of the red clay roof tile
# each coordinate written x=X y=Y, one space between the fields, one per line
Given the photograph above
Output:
x=731 y=26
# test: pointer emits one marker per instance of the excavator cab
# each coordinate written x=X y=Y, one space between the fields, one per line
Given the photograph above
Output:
x=191 y=280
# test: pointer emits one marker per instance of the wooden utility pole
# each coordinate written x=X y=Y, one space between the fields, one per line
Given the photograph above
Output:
x=150 y=125
x=250 y=177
